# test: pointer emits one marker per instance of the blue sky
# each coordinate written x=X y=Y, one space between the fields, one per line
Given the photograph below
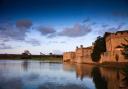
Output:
x=57 y=25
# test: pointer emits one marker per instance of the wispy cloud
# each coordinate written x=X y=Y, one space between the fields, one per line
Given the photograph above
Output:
x=59 y=52
x=57 y=42
x=4 y=46
x=77 y=30
x=45 y=30
x=33 y=42
x=86 y=20
x=108 y=28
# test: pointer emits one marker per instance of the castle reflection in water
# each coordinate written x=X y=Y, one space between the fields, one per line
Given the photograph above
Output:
x=104 y=78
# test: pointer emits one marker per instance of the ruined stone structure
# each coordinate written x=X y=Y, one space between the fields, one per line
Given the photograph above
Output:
x=114 y=50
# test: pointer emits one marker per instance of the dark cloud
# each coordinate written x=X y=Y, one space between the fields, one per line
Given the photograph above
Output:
x=24 y=23
x=45 y=30
x=77 y=30
x=9 y=31
x=4 y=46
x=33 y=42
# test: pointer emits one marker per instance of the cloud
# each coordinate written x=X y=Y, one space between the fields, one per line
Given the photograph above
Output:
x=107 y=28
x=57 y=52
x=23 y=23
x=77 y=30
x=56 y=42
x=4 y=46
x=9 y=31
x=34 y=42
x=105 y=25
x=86 y=20
x=45 y=30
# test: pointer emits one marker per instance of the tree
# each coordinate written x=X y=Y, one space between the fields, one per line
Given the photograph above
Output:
x=125 y=49
x=50 y=54
x=99 y=48
x=26 y=55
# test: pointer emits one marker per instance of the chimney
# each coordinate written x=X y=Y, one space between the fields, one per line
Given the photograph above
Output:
x=81 y=46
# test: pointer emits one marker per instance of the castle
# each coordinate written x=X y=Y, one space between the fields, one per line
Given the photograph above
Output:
x=113 y=51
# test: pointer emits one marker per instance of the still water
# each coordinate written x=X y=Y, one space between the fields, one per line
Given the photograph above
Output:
x=18 y=74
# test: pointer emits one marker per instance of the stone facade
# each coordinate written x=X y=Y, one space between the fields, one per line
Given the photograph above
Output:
x=68 y=56
x=83 y=54
x=114 y=42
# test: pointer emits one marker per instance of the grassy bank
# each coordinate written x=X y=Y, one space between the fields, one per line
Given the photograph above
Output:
x=48 y=58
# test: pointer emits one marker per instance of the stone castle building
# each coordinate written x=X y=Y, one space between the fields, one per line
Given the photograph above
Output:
x=114 y=48
x=113 y=52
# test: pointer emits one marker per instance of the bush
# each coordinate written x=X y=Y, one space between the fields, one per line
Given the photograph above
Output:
x=99 y=48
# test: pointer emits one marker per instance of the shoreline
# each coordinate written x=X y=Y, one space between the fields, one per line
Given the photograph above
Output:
x=105 y=64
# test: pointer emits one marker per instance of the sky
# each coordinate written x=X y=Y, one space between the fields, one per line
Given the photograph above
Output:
x=57 y=25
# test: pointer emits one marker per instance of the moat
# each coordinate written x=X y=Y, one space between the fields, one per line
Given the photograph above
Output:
x=19 y=74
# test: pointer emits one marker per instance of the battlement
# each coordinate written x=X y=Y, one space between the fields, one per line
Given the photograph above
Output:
x=81 y=47
x=118 y=34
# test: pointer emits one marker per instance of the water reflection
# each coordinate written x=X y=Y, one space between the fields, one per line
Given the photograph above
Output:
x=83 y=70
x=25 y=64
x=98 y=79
x=103 y=78
x=39 y=75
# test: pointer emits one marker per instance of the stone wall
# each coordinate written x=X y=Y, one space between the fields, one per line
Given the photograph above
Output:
x=113 y=56
x=68 y=56
x=114 y=42
x=83 y=54
x=116 y=39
